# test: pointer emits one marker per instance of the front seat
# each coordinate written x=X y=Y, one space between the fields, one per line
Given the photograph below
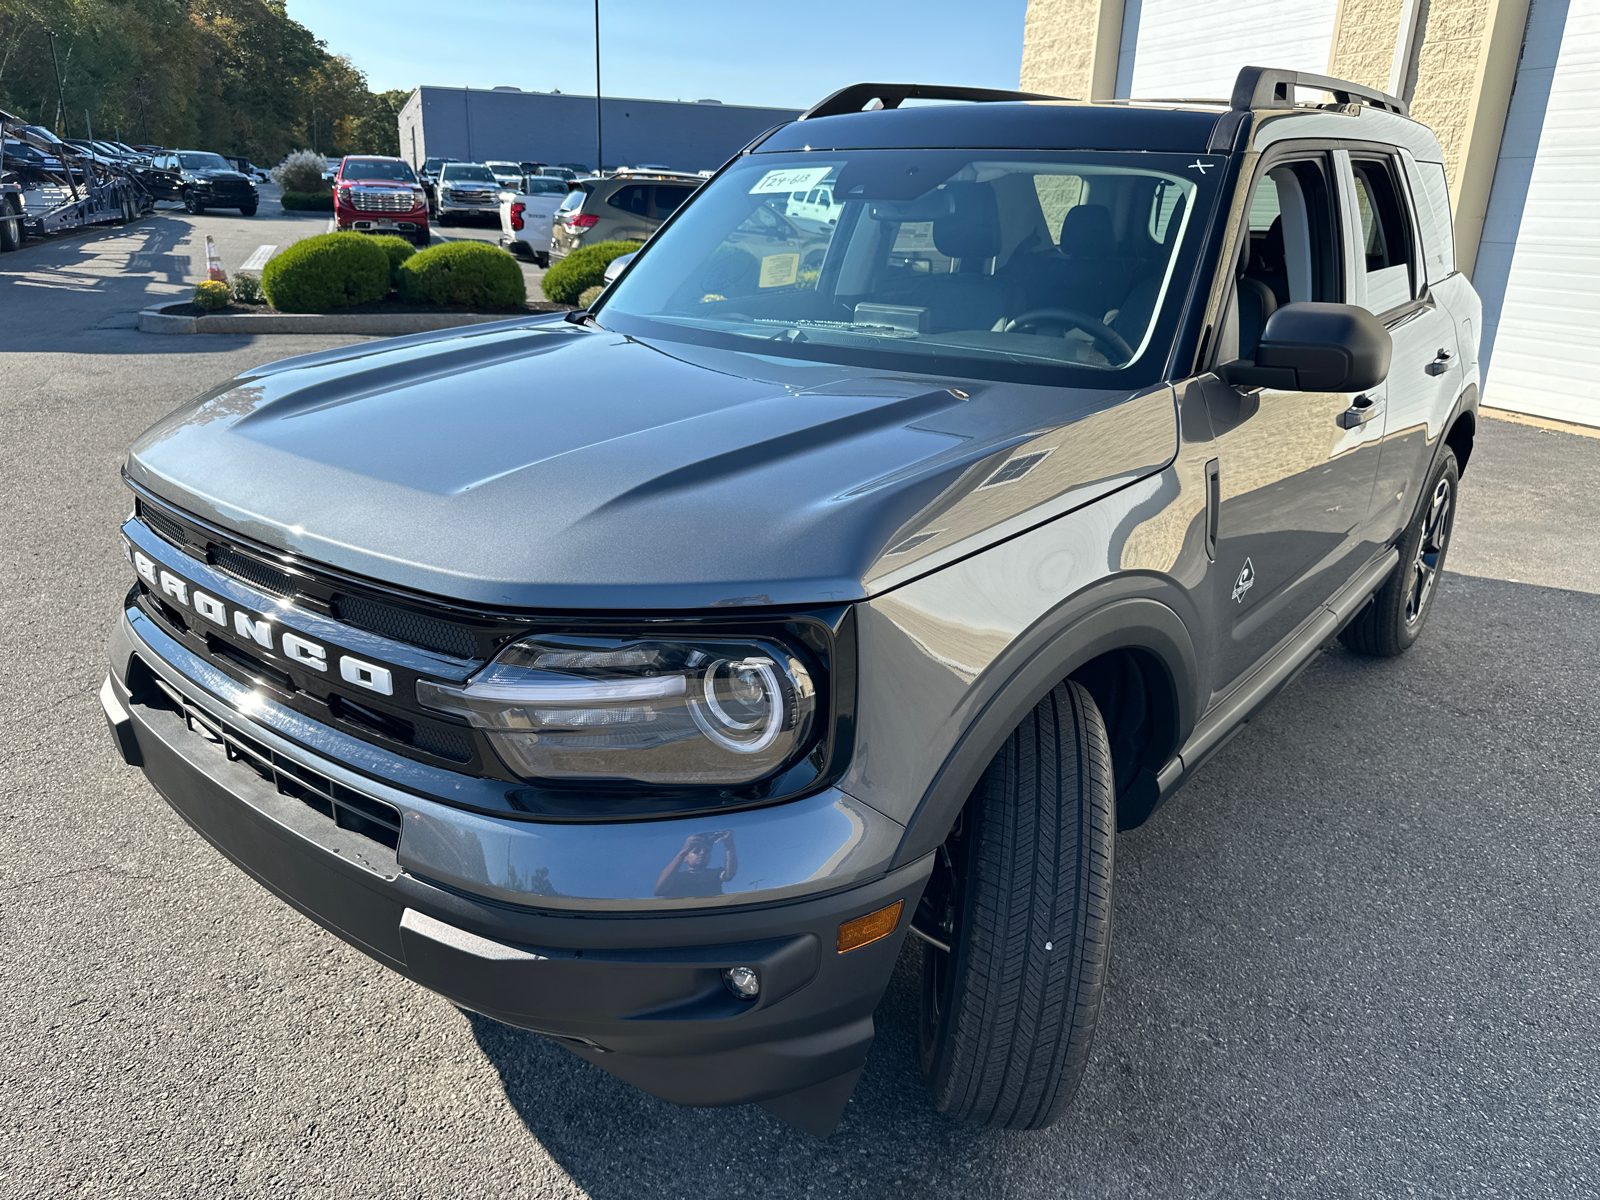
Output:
x=1086 y=273
x=966 y=298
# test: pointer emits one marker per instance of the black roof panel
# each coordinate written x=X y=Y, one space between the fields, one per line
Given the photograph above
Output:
x=1030 y=125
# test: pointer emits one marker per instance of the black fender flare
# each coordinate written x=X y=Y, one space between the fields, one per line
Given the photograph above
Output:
x=1116 y=615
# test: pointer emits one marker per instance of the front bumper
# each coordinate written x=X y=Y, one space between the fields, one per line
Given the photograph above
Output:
x=633 y=985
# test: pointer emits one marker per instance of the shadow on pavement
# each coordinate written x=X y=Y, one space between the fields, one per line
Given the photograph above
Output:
x=77 y=294
x=1355 y=955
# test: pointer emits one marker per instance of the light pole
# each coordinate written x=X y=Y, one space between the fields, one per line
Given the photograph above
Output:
x=599 y=136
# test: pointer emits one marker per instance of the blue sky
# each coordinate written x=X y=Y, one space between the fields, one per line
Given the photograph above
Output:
x=737 y=51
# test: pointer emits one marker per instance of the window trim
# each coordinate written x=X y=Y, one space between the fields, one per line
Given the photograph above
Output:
x=1277 y=155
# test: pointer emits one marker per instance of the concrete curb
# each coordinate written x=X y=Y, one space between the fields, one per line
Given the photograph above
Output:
x=155 y=320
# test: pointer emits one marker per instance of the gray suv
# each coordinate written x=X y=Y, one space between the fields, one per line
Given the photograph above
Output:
x=628 y=206
x=893 y=560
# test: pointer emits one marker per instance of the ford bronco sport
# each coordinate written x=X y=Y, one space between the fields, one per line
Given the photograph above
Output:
x=888 y=567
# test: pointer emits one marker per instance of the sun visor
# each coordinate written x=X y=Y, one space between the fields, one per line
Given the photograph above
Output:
x=903 y=176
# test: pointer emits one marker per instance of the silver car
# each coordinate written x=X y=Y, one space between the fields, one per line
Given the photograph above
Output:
x=467 y=190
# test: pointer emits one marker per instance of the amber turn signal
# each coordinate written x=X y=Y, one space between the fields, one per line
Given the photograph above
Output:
x=870 y=928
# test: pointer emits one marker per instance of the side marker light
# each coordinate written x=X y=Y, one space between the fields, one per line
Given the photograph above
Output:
x=870 y=928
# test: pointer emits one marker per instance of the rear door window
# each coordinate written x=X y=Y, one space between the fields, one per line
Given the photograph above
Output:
x=634 y=198
x=1386 y=251
x=668 y=199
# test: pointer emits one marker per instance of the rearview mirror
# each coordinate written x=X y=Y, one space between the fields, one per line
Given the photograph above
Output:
x=1310 y=347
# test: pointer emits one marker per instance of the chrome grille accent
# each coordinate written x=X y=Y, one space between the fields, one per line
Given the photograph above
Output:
x=382 y=200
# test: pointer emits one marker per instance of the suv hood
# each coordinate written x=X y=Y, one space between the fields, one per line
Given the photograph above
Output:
x=539 y=464
x=218 y=175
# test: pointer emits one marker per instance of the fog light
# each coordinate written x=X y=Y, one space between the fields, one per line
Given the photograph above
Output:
x=744 y=981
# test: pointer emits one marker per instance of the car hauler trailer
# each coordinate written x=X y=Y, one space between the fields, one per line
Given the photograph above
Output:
x=61 y=189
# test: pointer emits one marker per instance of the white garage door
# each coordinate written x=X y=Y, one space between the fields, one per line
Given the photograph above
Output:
x=1538 y=267
x=1194 y=48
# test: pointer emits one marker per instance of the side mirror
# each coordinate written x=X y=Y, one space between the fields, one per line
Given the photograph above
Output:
x=1309 y=347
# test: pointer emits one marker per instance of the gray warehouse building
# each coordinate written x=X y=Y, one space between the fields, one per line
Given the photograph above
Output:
x=476 y=124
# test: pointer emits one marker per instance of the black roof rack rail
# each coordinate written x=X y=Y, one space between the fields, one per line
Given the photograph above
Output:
x=1273 y=87
x=855 y=98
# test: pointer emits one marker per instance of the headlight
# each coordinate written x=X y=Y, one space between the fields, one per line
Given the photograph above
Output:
x=707 y=712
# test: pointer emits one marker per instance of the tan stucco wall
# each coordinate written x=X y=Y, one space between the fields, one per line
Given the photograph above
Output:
x=1465 y=70
x=1069 y=47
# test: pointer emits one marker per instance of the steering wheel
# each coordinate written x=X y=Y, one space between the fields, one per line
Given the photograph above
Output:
x=1070 y=318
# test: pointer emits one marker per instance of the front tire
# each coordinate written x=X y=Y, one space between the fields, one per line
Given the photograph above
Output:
x=1394 y=619
x=10 y=222
x=247 y=210
x=191 y=205
x=1021 y=896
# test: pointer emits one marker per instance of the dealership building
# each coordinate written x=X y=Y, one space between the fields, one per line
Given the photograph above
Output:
x=476 y=124
x=1511 y=88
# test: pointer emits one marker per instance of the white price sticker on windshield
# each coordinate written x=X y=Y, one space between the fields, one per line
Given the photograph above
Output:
x=791 y=179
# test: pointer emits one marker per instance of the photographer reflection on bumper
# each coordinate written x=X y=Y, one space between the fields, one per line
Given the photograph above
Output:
x=697 y=876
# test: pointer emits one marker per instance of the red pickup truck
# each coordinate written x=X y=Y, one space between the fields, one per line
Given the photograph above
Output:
x=375 y=194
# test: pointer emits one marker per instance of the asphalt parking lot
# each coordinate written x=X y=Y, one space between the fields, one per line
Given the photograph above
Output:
x=1356 y=957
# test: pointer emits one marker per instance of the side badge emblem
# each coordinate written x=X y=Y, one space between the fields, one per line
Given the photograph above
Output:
x=1246 y=581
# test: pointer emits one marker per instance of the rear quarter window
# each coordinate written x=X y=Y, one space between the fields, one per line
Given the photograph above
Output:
x=1431 y=189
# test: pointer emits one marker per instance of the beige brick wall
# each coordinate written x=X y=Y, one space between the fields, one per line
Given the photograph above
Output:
x=1363 y=41
x=1464 y=73
x=1058 y=46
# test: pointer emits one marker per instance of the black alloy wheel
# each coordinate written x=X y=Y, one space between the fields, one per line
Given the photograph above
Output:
x=1017 y=923
x=192 y=205
x=1394 y=618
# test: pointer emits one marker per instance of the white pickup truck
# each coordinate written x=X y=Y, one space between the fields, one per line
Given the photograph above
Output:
x=525 y=216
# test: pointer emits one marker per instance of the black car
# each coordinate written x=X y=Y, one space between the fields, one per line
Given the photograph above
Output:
x=201 y=180
x=888 y=565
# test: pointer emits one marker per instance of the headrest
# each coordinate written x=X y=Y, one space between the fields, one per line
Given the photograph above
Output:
x=972 y=230
x=1086 y=232
x=1269 y=251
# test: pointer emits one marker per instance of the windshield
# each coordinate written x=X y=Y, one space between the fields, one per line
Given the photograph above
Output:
x=1041 y=265
x=456 y=173
x=203 y=162
x=377 y=168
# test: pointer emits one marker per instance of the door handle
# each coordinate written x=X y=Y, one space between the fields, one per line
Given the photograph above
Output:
x=1440 y=363
x=1362 y=409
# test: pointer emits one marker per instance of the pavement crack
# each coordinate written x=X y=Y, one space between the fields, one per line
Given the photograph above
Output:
x=100 y=867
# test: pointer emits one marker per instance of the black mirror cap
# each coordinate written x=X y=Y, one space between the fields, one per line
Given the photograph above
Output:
x=1315 y=347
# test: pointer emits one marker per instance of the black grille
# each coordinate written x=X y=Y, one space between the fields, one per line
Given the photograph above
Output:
x=427 y=632
x=347 y=808
x=161 y=523
x=433 y=740
x=252 y=571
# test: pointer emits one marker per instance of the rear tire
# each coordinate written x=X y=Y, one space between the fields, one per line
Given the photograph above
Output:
x=1007 y=1023
x=1393 y=620
x=10 y=223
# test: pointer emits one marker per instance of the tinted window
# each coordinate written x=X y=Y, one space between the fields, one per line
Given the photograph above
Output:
x=377 y=168
x=1385 y=233
x=668 y=199
x=1431 y=190
x=634 y=198
x=204 y=162
x=539 y=185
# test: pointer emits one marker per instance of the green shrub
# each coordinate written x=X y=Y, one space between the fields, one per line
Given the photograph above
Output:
x=398 y=250
x=472 y=273
x=246 y=288
x=210 y=295
x=590 y=295
x=566 y=281
x=307 y=201
x=301 y=172
x=330 y=270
